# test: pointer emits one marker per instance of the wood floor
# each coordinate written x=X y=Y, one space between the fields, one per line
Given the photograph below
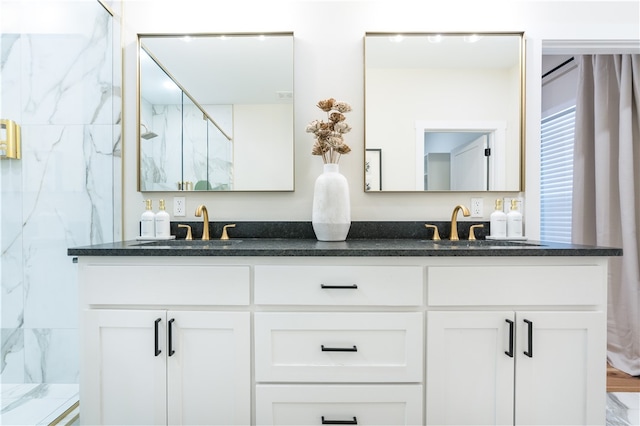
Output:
x=618 y=381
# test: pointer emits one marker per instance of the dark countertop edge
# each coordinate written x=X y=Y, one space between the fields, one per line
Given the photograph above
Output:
x=346 y=253
x=127 y=248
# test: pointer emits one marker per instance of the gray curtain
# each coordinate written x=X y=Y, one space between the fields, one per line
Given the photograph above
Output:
x=606 y=189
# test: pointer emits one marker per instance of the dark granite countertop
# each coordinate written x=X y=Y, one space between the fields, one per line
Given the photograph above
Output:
x=365 y=239
x=370 y=248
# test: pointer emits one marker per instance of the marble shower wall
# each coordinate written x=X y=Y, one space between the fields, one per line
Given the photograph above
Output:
x=62 y=86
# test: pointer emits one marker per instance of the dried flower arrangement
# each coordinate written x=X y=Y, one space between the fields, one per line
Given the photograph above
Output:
x=329 y=140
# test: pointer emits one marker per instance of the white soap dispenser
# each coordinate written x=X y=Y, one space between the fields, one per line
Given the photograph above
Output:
x=162 y=221
x=514 y=221
x=147 y=222
x=498 y=224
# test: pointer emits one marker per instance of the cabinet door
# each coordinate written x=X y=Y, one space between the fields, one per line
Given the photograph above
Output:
x=209 y=368
x=562 y=380
x=124 y=379
x=470 y=375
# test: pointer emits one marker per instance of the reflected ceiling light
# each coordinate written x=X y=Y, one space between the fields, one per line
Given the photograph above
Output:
x=262 y=38
x=472 y=38
x=396 y=38
x=186 y=39
x=436 y=38
x=224 y=37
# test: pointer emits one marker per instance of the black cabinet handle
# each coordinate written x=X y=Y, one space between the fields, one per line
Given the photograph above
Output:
x=157 y=349
x=325 y=349
x=510 y=351
x=171 y=351
x=352 y=286
x=340 y=422
x=529 y=351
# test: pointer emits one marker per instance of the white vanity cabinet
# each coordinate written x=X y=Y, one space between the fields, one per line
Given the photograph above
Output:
x=275 y=340
x=540 y=361
x=161 y=345
x=339 y=344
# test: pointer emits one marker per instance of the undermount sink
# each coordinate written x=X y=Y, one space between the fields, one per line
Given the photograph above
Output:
x=189 y=243
x=484 y=243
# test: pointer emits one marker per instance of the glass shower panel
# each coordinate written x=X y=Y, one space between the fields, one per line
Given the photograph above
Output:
x=57 y=82
x=208 y=153
x=194 y=145
x=220 y=159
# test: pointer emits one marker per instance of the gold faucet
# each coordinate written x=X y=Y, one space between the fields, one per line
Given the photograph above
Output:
x=189 y=236
x=472 y=231
x=202 y=211
x=224 y=235
x=436 y=235
x=454 y=221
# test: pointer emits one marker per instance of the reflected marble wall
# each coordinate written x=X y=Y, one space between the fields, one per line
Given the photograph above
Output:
x=208 y=155
x=59 y=86
x=187 y=148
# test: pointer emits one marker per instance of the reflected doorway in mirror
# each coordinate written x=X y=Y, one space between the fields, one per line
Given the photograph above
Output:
x=460 y=156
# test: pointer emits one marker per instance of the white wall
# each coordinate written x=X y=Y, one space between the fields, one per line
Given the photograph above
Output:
x=329 y=63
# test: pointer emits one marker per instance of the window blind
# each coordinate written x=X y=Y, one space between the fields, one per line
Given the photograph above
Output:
x=556 y=176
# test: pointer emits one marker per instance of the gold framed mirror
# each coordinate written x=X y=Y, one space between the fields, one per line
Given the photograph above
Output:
x=215 y=112
x=444 y=111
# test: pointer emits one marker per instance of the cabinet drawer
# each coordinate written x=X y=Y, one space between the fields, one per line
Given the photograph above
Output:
x=339 y=285
x=165 y=284
x=516 y=285
x=339 y=347
x=362 y=405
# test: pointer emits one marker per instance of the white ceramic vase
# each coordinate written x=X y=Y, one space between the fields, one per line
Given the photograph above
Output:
x=331 y=215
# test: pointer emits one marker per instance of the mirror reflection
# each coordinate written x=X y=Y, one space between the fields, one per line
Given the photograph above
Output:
x=216 y=112
x=443 y=112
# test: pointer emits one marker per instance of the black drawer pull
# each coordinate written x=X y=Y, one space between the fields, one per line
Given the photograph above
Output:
x=340 y=422
x=352 y=286
x=529 y=351
x=353 y=349
x=157 y=349
x=171 y=351
x=510 y=351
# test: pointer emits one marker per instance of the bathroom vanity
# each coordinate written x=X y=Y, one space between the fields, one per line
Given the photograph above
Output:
x=296 y=331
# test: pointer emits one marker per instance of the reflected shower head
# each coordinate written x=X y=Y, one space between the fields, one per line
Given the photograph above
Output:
x=147 y=134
